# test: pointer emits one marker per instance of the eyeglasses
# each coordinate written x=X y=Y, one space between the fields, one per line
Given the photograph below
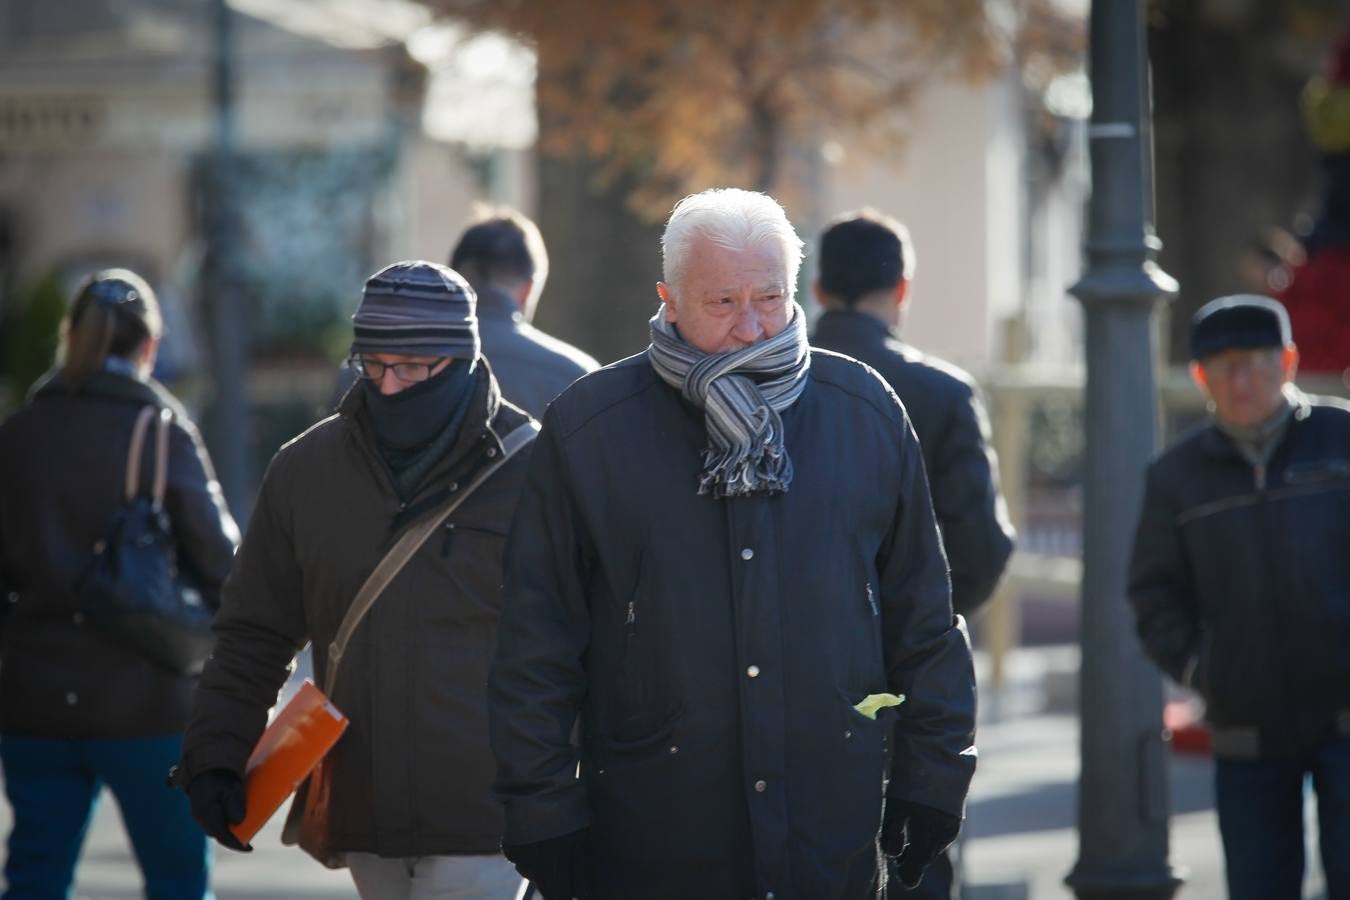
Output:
x=1251 y=362
x=406 y=372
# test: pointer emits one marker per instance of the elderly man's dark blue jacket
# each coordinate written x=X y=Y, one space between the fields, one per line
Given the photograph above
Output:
x=1241 y=581
x=715 y=649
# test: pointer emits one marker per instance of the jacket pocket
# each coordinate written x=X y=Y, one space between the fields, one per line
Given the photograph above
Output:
x=450 y=530
x=639 y=735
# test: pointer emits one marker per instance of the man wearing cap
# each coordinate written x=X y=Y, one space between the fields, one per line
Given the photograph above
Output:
x=1240 y=583
x=410 y=809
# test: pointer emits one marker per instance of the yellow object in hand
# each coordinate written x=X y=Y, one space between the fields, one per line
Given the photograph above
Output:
x=873 y=702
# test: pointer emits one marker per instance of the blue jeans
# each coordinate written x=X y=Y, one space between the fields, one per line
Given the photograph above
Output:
x=53 y=785
x=1260 y=806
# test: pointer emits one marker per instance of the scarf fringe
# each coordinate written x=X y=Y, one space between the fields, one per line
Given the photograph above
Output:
x=737 y=471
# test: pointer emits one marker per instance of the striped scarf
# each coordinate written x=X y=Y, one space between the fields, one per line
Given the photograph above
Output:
x=741 y=393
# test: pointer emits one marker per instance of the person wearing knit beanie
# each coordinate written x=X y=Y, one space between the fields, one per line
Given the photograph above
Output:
x=424 y=428
x=417 y=308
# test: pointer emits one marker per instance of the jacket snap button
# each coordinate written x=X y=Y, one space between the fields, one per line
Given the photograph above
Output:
x=747 y=554
x=72 y=698
x=753 y=671
x=454 y=486
x=761 y=786
x=768 y=896
x=848 y=735
x=674 y=750
x=492 y=451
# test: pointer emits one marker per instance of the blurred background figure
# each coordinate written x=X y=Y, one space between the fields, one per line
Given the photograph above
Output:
x=866 y=263
x=1241 y=589
x=77 y=709
x=1266 y=265
x=503 y=257
x=1318 y=295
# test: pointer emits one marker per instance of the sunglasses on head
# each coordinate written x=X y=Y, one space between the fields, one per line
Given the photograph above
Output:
x=113 y=292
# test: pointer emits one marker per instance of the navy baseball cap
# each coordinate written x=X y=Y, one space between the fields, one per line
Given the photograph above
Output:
x=1239 y=322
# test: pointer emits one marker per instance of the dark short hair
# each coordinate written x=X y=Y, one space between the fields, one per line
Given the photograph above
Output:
x=504 y=246
x=862 y=253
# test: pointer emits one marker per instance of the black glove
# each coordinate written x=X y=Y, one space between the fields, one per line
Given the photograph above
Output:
x=218 y=801
x=560 y=867
x=913 y=835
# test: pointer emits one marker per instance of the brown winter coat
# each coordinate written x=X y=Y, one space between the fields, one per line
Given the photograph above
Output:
x=411 y=775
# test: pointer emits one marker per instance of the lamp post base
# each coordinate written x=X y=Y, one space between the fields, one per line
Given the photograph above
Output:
x=1107 y=884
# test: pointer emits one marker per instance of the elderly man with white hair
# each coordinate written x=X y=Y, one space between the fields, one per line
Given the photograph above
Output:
x=725 y=565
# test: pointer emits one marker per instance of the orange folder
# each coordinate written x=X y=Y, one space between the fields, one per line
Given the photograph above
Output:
x=294 y=742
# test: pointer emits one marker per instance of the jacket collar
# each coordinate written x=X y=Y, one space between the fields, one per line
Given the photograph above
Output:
x=112 y=385
x=850 y=324
x=497 y=305
x=1216 y=443
x=476 y=430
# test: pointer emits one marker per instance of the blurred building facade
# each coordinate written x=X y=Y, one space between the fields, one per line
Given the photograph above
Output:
x=106 y=118
x=991 y=182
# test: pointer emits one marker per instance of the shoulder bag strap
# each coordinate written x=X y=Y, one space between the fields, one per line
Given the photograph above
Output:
x=161 y=457
x=134 y=453
x=407 y=545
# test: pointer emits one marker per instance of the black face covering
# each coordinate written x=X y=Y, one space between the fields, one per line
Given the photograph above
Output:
x=410 y=419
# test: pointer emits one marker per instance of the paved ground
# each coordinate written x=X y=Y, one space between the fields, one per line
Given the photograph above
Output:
x=1021 y=837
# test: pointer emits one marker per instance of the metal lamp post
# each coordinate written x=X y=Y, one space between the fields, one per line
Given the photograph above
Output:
x=1123 y=802
x=227 y=416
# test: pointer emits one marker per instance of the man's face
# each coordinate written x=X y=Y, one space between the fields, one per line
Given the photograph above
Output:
x=729 y=299
x=1246 y=386
x=398 y=371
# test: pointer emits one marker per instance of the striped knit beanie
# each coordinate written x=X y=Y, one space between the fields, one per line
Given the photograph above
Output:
x=417 y=308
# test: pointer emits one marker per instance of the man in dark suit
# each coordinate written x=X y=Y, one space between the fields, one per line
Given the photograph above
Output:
x=503 y=257
x=866 y=263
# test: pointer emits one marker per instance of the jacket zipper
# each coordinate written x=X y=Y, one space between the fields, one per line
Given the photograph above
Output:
x=1260 y=473
x=872 y=600
x=630 y=622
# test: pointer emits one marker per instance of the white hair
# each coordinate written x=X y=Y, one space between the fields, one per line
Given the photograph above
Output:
x=732 y=218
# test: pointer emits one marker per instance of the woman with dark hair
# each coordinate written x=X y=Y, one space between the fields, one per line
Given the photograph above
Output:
x=78 y=710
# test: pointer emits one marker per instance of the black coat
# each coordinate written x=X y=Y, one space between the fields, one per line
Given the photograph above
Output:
x=1240 y=581
x=411 y=774
x=63 y=463
x=953 y=431
x=715 y=648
